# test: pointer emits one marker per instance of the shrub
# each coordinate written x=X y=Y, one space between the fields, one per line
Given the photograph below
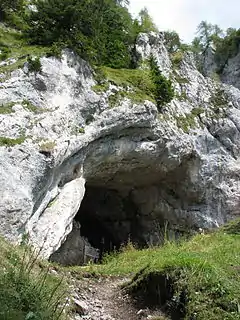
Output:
x=171 y=41
x=34 y=64
x=4 y=53
x=9 y=7
x=47 y=146
x=97 y=30
x=56 y=50
x=177 y=58
x=163 y=90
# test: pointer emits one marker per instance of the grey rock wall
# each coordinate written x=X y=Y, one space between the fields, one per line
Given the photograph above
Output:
x=181 y=165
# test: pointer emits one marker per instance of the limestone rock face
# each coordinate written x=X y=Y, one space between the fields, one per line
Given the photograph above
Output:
x=208 y=62
x=230 y=73
x=152 y=43
x=180 y=166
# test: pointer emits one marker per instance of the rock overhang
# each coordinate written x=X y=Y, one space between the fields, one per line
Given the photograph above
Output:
x=182 y=174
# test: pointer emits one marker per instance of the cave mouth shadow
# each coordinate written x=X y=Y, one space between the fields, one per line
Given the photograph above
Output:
x=108 y=219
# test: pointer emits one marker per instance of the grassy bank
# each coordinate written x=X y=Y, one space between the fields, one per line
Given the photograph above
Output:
x=197 y=279
x=14 y=45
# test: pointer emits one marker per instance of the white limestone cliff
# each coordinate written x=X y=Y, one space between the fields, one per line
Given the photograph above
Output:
x=181 y=165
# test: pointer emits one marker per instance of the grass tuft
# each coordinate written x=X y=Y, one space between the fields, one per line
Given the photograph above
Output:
x=28 y=291
x=6 y=108
x=9 y=142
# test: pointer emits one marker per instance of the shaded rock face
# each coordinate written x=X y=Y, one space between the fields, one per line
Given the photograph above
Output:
x=229 y=73
x=76 y=250
x=122 y=172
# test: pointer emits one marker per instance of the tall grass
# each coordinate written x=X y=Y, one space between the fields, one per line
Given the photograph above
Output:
x=28 y=291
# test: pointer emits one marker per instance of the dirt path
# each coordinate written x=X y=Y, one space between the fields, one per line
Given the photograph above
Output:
x=103 y=299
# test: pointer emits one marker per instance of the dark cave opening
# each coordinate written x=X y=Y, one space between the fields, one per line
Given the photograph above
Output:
x=108 y=219
x=94 y=230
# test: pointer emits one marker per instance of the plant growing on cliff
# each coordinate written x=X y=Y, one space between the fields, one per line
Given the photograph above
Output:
x=163 y=89
x=9 y=142
x=145 y=22
x=34 y=64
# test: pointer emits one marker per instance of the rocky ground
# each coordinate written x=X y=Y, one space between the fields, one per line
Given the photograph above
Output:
x=103 y=298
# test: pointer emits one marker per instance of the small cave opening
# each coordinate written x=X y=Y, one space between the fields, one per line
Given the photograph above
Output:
x=108 y=219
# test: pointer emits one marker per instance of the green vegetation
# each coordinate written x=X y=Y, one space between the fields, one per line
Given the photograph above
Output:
x=14 y=45
x=219 y=99
x=34 y=64
x=81 y=130
x=137 y=84
x=206 y=33
x=52 y=202
x=219 y=103
x=29 y=106
x=144 y=23
x=99 y=31
x=115 y=98
x=4 y=53
x=163 y=90
x=11 y=11
x=177 y=58
x=27 y=290
x=6 y=108
x=188 y=121
x=181 y=80
x=47 y=146
x=226 y=42
x=8 y=142
x=172 y=41
x=227 y=47
x=197 y=279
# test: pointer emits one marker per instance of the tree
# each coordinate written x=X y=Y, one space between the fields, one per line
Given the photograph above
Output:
x=163 y=89
x=98 y=30
x=207 y=33
x=146 y=23
x=227 y=47
x=172 y=41
x=8 y=7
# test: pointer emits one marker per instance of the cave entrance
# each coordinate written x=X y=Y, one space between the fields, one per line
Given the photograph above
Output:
x=108 y=219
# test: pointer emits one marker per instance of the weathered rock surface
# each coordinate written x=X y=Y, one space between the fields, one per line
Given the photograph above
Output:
x=181 y=165
x=229 y=73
